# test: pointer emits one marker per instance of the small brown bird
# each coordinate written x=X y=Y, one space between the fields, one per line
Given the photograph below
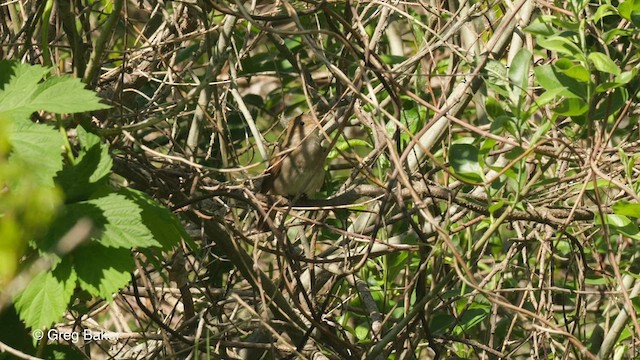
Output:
x=298 y=168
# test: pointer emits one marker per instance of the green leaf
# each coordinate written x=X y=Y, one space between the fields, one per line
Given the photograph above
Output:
x=39 y=147
x=87 y=140
x=362 y=332
x=621 y=79
x=392 y=59
x=543 y=129
x=6 y=73
x=542 y=26
x=627 y=209
x=627 y=7
x=611 y=104
x=22 y=81
x=548 y=96
x=599 y=183
x=346 y=145
x=495 y=206
x=441 y=322
x=602 y=11
x=97 y=163
x=559 y=44
x=606 y=86
x=571 y=107
x=65 y=95
x=620 y=224
x=102 y=270
x=463 y=159
x=613 y=34
x=117 y=222
x=603 y=63
x=519 y=73
x=494 y=108
x=46 y=297
x=595 y=280
x=90 y=171
x=497 y=77
x=546 y=77
x=123 y=225
x=265 y=62
x=552 y=79
x=572 y=70
x=472 y=318
x=630 y=10
x=23 y=93
x=164 y=226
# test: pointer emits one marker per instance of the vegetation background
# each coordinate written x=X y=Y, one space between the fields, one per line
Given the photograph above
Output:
x=481 y=198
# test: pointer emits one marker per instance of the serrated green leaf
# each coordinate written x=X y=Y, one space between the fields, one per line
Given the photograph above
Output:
x=46 y=297
x=89 y=173
x=117 y=222
x=39 y=147
x=165 y=227
x=102 y=270
x=22 y=82
x=65 y=95
x=123 y=226
x=23 y=93
x=87 y=140
x=6 y=73
x=65 y=273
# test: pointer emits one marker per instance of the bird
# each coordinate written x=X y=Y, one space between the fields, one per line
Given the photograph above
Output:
x=297 y=169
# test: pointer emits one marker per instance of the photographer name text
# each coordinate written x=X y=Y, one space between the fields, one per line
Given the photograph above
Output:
x=86 y=335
